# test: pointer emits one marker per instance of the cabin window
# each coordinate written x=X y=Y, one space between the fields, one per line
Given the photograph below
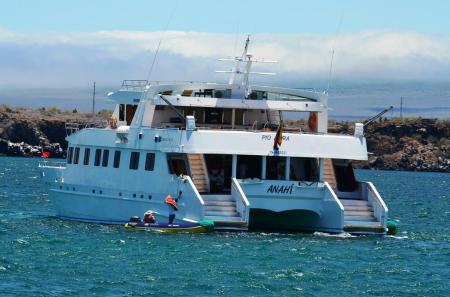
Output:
x=105 y=158
x=134 y=160
x=76 y=156
x=213 y=116
x=87 y=152
x=249 y=166
x=219 y=172
x=227 y=116
x=121 y=112
x=69 y=155
x=98 y=154
x=116 y=159
x=275 y=168
x=130 y=111
x=150 y=161
x=239 y=117
x=177 y=164
x=304 y=169
x=345 y=177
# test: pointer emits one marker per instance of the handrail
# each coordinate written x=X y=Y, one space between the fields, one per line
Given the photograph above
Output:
x=333 y=194
x=380 y=209
x=194 y=188
x=74 y=126
x=242 y=205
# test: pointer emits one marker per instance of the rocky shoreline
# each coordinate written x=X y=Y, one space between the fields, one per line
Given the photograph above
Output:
x=409 y=144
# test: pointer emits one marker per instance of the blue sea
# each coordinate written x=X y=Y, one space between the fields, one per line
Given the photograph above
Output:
x=41 y=255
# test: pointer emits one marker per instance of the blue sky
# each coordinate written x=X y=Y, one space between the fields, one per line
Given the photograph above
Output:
x=72 y=43
x=282 y=16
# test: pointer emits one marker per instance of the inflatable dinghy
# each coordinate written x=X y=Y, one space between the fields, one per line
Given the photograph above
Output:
x=200 y=227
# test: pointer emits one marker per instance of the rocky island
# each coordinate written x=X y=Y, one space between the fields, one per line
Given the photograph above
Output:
x=412 y=144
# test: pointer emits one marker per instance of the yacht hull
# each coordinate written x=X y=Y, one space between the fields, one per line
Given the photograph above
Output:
x=102 y=209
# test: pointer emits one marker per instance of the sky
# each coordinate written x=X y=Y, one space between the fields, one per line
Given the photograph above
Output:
x=73 y=43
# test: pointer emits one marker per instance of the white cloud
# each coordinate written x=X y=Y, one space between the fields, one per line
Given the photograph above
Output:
x=44 y=59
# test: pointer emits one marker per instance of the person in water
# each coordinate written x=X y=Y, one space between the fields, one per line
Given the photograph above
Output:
x=149 y=217
x=172 y=208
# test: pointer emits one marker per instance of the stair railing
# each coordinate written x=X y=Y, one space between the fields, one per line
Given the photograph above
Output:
x=192 y=199
x=380 y=210
x=242 y=203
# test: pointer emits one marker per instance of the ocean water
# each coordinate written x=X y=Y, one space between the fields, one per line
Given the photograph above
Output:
x=41 y=255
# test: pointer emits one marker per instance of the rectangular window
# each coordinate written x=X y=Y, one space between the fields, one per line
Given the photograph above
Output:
x=105 y=158
x=98 y=154
x=122 y=112
x=134 y=160
x=177 y=164
x=87 y=153
x=76 y=156
x=149 y=161
x=69 y=155
x=116 y=159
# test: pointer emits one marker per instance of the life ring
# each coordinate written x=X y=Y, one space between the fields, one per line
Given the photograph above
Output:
x=112 y=121
x=312 y=122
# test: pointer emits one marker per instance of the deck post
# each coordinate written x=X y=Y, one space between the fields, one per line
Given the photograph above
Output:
x=264 y=163
x=234 y=166
x=321 y=166
x=287 y=169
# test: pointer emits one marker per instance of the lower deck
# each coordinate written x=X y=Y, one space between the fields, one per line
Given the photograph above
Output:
x=234 y=191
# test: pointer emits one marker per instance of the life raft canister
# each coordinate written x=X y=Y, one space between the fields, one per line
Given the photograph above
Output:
x=169 y=200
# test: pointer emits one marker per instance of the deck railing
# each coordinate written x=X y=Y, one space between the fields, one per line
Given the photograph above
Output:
x=76 y=125
x=380 y=209
x=242 y=203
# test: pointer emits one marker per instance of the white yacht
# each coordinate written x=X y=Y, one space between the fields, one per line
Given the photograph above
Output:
x=223 y=151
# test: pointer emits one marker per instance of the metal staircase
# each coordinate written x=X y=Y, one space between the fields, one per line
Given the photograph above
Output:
x=199 y=172
x=222 y=210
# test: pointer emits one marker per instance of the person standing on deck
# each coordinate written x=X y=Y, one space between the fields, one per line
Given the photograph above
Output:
x=172 y=208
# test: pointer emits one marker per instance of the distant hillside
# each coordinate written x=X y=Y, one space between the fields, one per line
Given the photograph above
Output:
x=412 y=144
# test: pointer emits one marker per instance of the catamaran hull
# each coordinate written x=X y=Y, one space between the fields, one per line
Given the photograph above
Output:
x=102 y=209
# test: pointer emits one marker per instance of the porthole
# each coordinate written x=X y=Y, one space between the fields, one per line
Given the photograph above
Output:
x=134 y=195
x=120 y=194
x=142 y=196
x=149 y=196
x=101 y=192
x=93 y=191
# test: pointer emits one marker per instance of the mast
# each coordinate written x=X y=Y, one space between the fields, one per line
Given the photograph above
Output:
x=248 y=59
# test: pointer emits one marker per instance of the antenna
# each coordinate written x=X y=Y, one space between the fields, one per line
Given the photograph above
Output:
x=401 y=108
x=249 y=60
x=160 y=41
x=332 y=50
x=93 y=100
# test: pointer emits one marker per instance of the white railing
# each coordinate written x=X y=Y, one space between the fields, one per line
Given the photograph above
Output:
x=242 y=203
x=380 y=209
x=75 y=126
x=195 y=204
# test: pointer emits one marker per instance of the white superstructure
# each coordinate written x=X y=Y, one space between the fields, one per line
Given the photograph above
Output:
x=214 y=147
